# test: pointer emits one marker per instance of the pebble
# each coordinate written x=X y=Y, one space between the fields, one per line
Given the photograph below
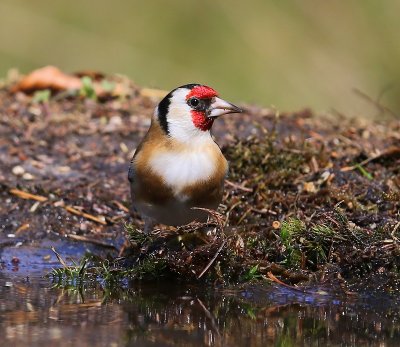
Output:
x=18 y=170
x=124 y=147
x=34 y=206
x=15 y=261
x=28 y=177
x=59 y=203
x=64 y=169
x=114 y=124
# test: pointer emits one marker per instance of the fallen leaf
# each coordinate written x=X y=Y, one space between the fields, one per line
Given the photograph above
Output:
x=52 y=78
x=48 y=77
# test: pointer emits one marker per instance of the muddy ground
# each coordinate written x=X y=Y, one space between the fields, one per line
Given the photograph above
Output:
x=309 y=198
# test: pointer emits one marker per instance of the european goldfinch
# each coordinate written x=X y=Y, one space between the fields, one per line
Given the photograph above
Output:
x=178 y=165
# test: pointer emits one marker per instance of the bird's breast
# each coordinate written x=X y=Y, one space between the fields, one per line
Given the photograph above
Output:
x=169 y=179
x=169 y=171
x=181 y=170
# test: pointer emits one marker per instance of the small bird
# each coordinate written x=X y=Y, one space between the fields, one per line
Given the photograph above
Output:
x=178 y=165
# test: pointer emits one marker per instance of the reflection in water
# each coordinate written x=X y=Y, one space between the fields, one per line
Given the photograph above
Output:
x=163 y=314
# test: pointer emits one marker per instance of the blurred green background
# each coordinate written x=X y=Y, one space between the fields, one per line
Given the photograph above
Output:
x=290 y=54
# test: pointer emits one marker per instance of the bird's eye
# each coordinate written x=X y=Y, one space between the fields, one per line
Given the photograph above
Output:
x=194 y=102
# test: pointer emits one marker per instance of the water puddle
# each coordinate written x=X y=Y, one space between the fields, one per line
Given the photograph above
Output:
x=34 y=313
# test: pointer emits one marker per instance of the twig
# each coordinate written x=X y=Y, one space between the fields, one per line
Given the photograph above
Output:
x=120 y=206
x=72 y=210
x=209 y=316
x=219 y=218
x=244 y=215
x=61 y=260
x=350 y=142
x=381 y=108
x=125 y=245
x=24 y=195
x=272 y=277
x=390 y=151
x=22 y=228
x=90 y=240
x=342 y=285
x=263 y=211
x=238 y=186
x=212 y=260
x=397 y=226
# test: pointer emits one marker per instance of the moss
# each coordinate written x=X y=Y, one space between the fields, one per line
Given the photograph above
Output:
x=150 y=268
x=290 y=229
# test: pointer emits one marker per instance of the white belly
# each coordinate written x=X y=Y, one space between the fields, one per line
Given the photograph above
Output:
x=182 y=169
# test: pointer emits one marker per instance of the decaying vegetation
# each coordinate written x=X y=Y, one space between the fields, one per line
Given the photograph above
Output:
x=308 y=199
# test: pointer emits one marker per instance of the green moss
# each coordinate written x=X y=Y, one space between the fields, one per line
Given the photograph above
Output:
x=289 y=229
x=71 y=275
x=252 y=274
x=150 y=268
x=135 y=235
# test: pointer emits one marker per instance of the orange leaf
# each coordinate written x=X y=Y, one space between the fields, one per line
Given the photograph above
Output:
x=48 y=77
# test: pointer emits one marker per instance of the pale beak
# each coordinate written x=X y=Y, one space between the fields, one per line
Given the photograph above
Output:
x=219 y=107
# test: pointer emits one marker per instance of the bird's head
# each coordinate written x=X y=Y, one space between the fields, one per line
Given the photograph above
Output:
x=190 y=111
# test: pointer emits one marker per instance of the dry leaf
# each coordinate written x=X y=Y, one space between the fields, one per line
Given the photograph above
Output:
x=48 y=77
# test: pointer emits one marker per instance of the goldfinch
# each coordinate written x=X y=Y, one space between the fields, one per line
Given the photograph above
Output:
x=178 y=165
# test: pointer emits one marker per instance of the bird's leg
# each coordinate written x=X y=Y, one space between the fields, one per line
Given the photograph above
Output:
x=149 y=224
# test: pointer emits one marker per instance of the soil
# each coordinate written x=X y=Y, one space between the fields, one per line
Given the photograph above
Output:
x=308 y=197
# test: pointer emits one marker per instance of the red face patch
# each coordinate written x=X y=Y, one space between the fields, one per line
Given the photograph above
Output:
x=201 y=121
x=202 y=92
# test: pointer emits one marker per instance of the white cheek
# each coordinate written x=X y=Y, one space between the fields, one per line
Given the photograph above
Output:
x=180 y=122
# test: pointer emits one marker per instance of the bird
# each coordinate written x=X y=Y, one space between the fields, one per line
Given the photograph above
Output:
x=178 y=166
